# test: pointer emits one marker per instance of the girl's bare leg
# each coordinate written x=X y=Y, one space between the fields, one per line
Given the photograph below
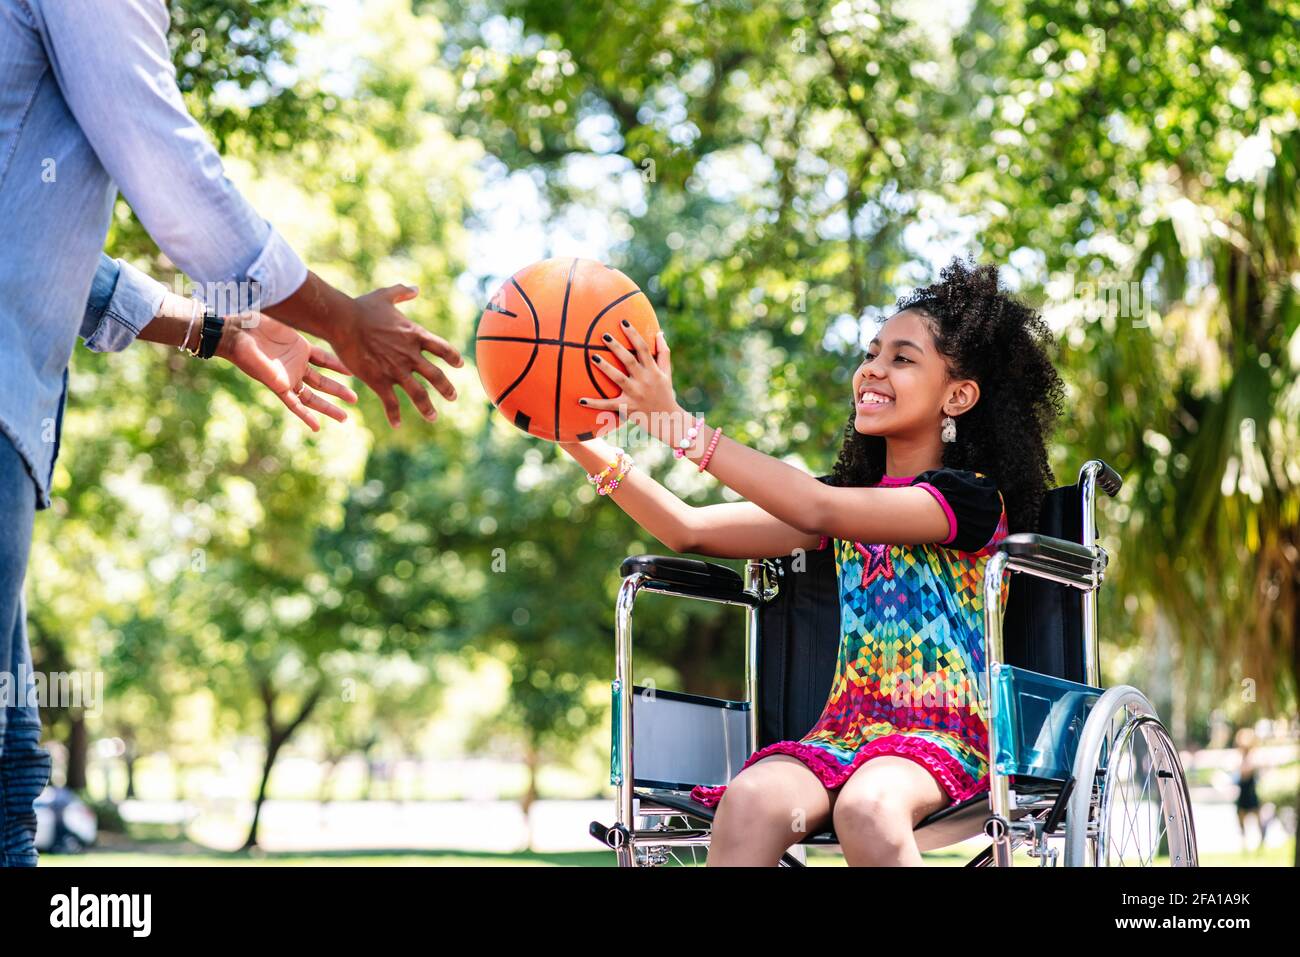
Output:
x=876 y=809
x=771 y=805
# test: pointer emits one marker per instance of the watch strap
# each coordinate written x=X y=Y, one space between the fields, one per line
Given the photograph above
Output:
x=211 y=335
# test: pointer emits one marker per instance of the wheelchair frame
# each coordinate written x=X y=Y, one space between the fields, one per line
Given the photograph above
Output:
x=1032 y=811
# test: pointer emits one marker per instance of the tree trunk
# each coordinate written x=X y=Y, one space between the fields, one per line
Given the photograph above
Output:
x=77 y=745
x=1295 y=683
x=532 y=759
x=331 y=762
x=129 y=759
x=276 y=736
x=273 y=743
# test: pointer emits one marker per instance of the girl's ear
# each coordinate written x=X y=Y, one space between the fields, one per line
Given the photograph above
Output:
x=962 y=397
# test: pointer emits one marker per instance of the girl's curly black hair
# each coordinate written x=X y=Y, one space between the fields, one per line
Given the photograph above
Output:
x=989 y=336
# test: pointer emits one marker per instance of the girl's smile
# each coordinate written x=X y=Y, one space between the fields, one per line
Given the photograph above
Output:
x=872 y=399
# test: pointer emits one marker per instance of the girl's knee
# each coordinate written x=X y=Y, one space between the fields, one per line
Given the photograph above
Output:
x=871 y=812
x=749 y=809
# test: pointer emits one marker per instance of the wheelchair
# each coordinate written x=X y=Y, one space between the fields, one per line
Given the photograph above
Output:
x=1077 y=772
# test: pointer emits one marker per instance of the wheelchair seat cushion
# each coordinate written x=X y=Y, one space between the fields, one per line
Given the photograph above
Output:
x=911 y=650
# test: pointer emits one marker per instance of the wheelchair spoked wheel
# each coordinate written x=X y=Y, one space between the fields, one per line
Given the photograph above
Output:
x=1138 y=812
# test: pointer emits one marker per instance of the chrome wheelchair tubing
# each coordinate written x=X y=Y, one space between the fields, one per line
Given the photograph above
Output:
x=1092 y=473
x=758 y=588
x=999 y=790
x=624 y=818
x=755 y=580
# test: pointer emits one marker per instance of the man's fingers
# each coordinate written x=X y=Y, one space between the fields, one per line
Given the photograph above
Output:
x=295 y=406
x=419 y=397
x=401 y=292
x=436 y=378
x=328 y=360
x=440 y=347
x=389 y=398
x=323 y=383
x=320 y=404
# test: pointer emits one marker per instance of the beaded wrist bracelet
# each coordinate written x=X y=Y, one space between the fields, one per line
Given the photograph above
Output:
x=688 y=440
x=613 y=483
x=621 y=464
x=713 y=444
x=600 y=477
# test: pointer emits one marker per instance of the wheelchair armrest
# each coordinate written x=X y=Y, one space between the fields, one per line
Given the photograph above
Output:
x=1055 y=558
x=688 y=577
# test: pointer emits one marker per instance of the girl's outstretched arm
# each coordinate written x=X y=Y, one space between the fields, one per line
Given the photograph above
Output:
x=898 y=516
x=730 y=530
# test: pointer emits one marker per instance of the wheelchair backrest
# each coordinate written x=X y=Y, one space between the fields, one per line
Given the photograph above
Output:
x=799 y=629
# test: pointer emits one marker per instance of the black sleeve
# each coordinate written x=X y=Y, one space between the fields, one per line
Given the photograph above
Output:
x=973 y=504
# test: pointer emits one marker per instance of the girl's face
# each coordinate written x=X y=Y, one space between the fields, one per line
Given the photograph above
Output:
x=902 y=386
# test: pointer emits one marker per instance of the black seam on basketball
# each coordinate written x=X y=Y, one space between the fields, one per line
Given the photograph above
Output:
x=559 y=360
x=542 y=342
x=586 y=341
x=493 y=307
x=537 y=333
x=522 y=420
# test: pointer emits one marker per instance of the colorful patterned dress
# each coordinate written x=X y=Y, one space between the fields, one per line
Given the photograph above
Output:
x=912 y=646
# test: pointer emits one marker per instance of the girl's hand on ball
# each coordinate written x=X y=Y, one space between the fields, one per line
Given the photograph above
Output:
x=647 y=383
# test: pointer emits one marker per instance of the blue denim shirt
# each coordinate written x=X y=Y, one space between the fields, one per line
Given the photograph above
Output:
x=123 y=300
x=89 y=105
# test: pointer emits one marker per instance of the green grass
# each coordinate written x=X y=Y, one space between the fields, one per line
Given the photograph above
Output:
x=182 y=853
x=190 y=855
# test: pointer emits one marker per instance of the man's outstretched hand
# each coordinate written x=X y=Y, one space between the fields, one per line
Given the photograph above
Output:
x=281 y=360
x=372 y=337
x=383 y=348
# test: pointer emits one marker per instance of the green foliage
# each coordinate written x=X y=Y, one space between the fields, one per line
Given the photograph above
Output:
x=773 y=175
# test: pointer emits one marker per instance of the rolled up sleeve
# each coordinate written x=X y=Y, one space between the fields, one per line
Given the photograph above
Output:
x=122 y=301
x=114 y=69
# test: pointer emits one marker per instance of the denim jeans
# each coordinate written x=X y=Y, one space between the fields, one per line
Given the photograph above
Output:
x=24 y=764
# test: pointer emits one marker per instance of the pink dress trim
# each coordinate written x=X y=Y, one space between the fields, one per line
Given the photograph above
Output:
x=947 y=510
x=945 y=769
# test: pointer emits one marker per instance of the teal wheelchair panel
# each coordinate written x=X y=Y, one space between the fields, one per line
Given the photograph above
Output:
x=1038 y=722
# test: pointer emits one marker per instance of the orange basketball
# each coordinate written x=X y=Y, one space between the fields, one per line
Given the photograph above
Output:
x=537 y=336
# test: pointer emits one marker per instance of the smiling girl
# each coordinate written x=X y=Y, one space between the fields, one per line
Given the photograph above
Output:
x=943 y=455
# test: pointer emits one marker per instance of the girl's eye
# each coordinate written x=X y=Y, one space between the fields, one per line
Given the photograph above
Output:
x=902 y=359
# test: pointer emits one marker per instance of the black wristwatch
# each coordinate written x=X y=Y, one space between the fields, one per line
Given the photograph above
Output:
x=211 y=334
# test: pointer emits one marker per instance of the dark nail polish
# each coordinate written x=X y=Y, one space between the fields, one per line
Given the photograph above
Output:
x=582 y=402
x=595 y=358
x=626 y=323
x=607 y=337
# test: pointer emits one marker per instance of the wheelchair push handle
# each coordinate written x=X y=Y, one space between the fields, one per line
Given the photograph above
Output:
x=1108 y=479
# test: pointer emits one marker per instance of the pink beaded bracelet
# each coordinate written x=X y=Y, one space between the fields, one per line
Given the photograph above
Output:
x=688 y=440
x=713 y=444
